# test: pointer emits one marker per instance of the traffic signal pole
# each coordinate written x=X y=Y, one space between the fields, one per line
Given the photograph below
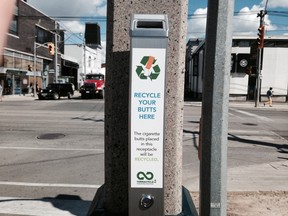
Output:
x=260 y=41
x=36 y=45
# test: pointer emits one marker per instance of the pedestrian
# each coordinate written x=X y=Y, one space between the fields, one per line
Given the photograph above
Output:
x=269 y=94
x=37 y=88
x=1 y=91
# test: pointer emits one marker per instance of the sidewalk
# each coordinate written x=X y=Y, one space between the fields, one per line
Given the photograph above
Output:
x=26 y=97
x=249 y=104
x=281 y=106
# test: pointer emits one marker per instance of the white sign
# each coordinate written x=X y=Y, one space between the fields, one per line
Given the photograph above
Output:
x=147 y=117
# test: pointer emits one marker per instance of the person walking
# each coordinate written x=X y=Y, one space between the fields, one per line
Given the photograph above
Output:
x=1 y=91
x=269 y=94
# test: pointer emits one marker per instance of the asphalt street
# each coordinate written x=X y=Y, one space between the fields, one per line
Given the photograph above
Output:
x=52 y=152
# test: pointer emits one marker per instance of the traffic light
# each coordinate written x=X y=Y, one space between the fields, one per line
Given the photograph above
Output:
x=51 y=48
x=260 y=39
x=29 y=67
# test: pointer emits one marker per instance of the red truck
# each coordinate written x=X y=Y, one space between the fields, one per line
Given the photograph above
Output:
x=94 y=85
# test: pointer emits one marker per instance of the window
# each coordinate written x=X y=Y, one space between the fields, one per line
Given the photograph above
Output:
x=195 y=64
x=43 y=36
x=94 y=77
x=89 y=61
x=13 y=29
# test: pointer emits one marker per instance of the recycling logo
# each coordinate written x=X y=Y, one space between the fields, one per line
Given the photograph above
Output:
x=148 y=68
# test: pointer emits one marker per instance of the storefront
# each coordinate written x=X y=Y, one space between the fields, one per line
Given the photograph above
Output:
x=15 y=82
x=15 y=77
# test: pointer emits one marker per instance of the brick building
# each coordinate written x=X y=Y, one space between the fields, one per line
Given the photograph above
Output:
x=29 y=34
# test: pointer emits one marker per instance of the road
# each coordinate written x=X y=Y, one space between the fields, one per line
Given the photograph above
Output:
x=52 y=152
x=51 y=149
x=256 y=137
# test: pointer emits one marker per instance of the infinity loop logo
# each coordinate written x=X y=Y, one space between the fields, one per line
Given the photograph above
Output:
x=147 y=175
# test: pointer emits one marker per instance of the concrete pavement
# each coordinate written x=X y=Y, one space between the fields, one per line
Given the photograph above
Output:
x=270 y=176
x=28 y=97
x=260 y=177
x=232 y=104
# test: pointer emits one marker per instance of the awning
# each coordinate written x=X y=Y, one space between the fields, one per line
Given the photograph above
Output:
x=70 y=64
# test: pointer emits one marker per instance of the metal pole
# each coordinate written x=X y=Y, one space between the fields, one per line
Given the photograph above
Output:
x=258 y=77
x=84 y=60
x=214 y=127
x=259 y=60
x=34 y=67
x=56 y=53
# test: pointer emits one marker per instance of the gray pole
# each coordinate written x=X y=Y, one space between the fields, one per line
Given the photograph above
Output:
x=259 y=60
x=115 y=191
x=84 y=60
x=34 y=67
x=56 y=52
x=258 y=86
x=213 y=164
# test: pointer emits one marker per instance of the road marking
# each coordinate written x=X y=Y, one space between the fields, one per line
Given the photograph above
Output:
x=28 y=184
x=49 y=149
x=252 y=115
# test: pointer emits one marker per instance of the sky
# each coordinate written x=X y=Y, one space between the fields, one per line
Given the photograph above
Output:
x=72 y=15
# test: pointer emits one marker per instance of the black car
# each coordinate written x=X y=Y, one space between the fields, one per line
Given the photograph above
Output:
x=57 y=90
x=88 y=90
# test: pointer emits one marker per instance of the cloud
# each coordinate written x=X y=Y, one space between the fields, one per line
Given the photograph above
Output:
x=72 y=14
x=275 y=3
x=70 y=7
x=245 y=22
x=197 y=24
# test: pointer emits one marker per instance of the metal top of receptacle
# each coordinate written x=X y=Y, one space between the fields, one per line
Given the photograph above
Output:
x=149 y=25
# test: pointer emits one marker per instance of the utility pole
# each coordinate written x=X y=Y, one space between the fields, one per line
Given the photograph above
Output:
x=84 y=60
x=56 y=51
x=260 y=42
x=214 y=120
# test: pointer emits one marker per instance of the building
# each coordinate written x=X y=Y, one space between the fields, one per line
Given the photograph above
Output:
x=89 y=59
x=33 y=51
x=243 y=74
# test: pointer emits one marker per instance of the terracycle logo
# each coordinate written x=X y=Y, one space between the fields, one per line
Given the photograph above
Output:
x=148 y=68
x=147 y=175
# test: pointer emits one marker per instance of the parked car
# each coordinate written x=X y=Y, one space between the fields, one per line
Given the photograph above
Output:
x=57 y=90
x=88 y=90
